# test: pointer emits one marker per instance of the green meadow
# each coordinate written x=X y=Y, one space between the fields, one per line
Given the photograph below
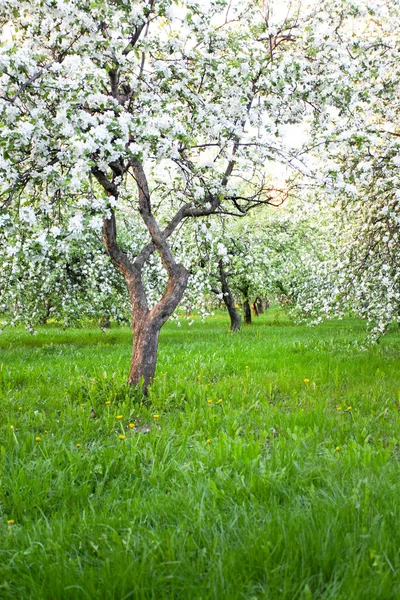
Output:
x=263 y=465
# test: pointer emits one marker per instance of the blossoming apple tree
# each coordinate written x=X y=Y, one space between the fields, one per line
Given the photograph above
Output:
x=160 y=108
x=357 y=136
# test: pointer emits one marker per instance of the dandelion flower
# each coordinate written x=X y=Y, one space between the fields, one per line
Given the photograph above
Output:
x=108 y=403
x=20 y=408
x=11 y=426
x=220 y=401
x=119 y=417
x=306 y=380
x=337 y=448
x=155 y=416
x=78 y=445
x=121 y=437
x=131 y=425
x=82 y=404
x=349 y=408
x=210 y=401
x=37 y=439
x=11 y=521
x=208 y=442
x=338 y=408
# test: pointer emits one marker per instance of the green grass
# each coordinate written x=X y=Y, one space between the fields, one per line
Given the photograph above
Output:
x=248 y=498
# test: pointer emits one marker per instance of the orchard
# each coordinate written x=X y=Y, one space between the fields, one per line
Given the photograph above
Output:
x=199 y=299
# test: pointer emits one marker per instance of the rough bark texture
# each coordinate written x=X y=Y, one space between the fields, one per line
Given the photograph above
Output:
x=146 y=326
x=228 y=299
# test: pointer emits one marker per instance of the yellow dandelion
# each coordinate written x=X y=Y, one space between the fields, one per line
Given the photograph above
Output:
x=78 y=445
x=131 y=425
x=156 y=416
x=306 y=380
x=83 y=404
x=349 y=408
x=11 y=521
x=337 y=448
x=20 y=408
x=37 y=439
x=11 y=426
x=164 y=374
x=121 y=437
x=198 y=376
x=338 y=408
x=119 y=417
x=208 y=442
x=220 y=401
x=108 y=403
x=246 y=367
x=210 y=401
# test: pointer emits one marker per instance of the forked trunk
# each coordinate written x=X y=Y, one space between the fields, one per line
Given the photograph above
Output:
x=146 y=326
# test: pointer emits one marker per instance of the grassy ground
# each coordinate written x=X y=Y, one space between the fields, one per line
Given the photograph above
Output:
x=270 y=469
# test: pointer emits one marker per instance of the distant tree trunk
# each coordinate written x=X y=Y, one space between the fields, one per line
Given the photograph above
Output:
x=105 y=322
x=46 y=314
x=259 y=305
x=266 y=304
x=254 y=308
x=247 y=312
x=228 y=299
x=246 y=304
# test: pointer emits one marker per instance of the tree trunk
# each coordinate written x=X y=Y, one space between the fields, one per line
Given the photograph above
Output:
x=259 y=305
x=144 y=354
x=228 y=299
x=105 y=322
x=146 y=327
x=254 y=308
x=247 y=312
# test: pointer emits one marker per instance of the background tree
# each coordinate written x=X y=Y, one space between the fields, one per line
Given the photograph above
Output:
x=357 y=139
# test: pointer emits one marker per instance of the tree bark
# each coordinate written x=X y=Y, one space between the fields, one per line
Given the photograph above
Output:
x=254 y=308
x=228 y=299
x=247 y=311
x=246 y=303
x=146 y=326
x=259 y=305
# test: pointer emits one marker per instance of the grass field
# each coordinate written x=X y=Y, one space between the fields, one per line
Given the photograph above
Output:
x=264 y=465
